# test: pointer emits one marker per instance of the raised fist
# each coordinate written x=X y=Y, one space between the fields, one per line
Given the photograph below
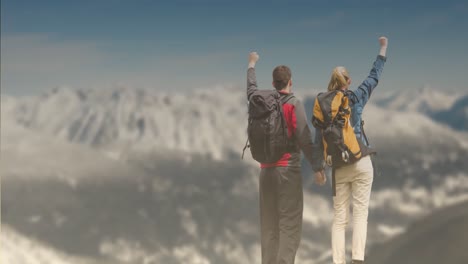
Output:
x=253 y=57
x=383 y=41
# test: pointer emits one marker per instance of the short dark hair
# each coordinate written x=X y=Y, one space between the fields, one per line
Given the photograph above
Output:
x=281 y=77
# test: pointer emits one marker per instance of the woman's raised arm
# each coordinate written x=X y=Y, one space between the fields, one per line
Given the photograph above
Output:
x=364 y=91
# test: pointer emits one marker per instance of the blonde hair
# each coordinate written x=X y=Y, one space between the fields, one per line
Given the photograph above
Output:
x=339 y=78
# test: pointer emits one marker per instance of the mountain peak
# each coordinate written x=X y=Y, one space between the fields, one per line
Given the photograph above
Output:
x=424 y=99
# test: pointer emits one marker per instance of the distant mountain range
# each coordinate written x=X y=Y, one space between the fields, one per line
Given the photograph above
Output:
x=205 y=121
x=422 y=100
x=456 y=116
x=447 y=108
x=139 y=177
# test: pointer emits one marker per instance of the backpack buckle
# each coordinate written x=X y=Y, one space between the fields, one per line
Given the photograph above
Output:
x=345 y=156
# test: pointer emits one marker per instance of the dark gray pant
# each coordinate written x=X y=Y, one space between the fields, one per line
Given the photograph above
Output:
x=281 y=205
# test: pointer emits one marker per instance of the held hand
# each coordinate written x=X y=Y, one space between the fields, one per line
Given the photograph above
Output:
x=383 y=41
x=253 y=58
x=320 y=178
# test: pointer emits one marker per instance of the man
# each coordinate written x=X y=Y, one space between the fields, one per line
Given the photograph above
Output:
x=281 y=197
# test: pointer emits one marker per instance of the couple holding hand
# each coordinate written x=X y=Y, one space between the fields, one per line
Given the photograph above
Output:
x=280 y=186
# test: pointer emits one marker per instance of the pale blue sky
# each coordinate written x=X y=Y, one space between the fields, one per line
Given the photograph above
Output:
x=184 y=45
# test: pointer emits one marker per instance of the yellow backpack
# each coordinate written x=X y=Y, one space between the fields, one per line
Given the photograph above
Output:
x=331 y=114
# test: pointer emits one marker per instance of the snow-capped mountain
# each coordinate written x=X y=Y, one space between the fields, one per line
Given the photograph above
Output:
x=456 y=116
x=206 y=121
x=446 y=108
x=423 y=100
x=131 y=192
x=210 y=121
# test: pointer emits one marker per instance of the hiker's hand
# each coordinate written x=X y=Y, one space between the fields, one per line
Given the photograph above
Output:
x=383 y=46
x=320 y=178
x=383 y=41
x=253 y=58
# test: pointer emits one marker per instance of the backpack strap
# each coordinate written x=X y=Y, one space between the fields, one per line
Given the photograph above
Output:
x=285 y=99
x=363 y=132
x=247 y=145
x=351 y=95
x=327 y=118
x=334 y=181
x=341 y=109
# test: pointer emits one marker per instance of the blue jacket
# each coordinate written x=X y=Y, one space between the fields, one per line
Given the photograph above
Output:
x=358 y=99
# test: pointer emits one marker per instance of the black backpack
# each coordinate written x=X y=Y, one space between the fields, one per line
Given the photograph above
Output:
x=267 y=129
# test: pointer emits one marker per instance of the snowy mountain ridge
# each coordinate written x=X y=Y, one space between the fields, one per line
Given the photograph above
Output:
x=210 y=121
x=204 y=121
x=423 y=100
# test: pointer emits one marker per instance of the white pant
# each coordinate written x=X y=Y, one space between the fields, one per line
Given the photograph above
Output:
x=353 y=180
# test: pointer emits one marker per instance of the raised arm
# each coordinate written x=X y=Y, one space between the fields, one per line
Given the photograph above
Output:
x=251 y=78
x=364 y=91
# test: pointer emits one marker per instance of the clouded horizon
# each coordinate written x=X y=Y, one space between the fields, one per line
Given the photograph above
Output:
x=181 y=45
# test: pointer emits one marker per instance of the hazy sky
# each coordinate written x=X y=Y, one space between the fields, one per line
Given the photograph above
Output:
x=184 y=45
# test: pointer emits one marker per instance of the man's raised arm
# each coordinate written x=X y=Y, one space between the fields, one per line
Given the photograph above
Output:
x=251 y=78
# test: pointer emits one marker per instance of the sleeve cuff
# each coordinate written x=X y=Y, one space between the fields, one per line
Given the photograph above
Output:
x=384 y=58
x=319 y=167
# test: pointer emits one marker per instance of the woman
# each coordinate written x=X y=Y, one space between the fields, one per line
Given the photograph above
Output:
x=354 y=180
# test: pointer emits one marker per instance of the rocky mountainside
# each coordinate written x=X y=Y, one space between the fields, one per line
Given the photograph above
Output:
x=437 y=238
